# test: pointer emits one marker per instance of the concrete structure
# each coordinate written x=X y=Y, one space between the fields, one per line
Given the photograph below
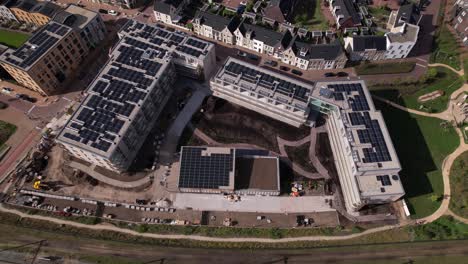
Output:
x=87 y=23
x=5 y=12
x=216 y=27
x=363 y=152
x=460 y=20
x=47 y=59
x=127 y=97
x=34 y=12
x=169 y=11
x=345 y=13
x=404 y=29
x=366 y=47
x=228 y=170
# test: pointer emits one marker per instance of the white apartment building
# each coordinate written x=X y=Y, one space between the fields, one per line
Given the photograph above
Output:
x=216 y=27
x=168 y=11
x=401 y=40
x=5 y=12
x=260 y=39
x=364 y=156
x=125 y=100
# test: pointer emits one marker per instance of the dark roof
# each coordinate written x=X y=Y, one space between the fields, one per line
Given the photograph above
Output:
x=217 y=22
x=69 y=19
x=361 y=43
x=267 y=36
x=25 y=5
x=61 y=17
x=317 y=51
x=164 y=6
x=407 y=13
x=8 y=3
x=256 y=173
x=273 y=11
x=348 y=10
x=46 y=8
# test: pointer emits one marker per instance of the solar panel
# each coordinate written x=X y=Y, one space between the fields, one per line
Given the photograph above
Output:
x=204 y=171
x=384 y=179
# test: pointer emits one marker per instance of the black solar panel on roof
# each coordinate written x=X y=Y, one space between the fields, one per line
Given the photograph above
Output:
x=204 y=171
x=176 y=38
x=384 y=179
x=190 y=51
x=195 y=43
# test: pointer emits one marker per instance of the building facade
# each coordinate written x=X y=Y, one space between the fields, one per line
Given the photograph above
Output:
x=345 y=13
x=215 y=27
x=5 y=12
x=364 y=156
x=87 y=23
x=34 y=12
x=169 y=11
x=47 y=59
x=460 y=20
x=126 y=98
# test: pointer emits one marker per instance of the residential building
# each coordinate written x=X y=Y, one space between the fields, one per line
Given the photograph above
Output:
x=460 y=20
x=366 y=47
x=34 y=12
x=47 y=59
x=216 y=27
x=169 y=11
x=363 y=153
x=320 y=56
x=278 y=11
x=262 y=40
x=345 y=13
x=400 y=43
x=125 y=100
x=120 y=3
x=228 y=170
x=406 y=14
x=5 y=12
x=87 y=23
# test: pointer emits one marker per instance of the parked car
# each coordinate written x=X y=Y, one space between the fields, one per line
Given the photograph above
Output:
x=113 y=13
x=7 y=90
x=241 y=54
x=102 y=11
x=271 y=63
x=26 y=97
x=329 y=74
x=253 y=57
x=342 y=74
x=294 y=71
x=284 y=68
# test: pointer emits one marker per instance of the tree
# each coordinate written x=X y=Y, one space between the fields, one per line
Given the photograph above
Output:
x=431 y=74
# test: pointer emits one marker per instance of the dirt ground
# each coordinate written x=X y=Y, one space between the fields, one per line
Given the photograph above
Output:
x=228 y=123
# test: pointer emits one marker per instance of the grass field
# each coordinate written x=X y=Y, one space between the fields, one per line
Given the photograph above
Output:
x=385 y=68
x=421 y=145
x=380 y=15
x=12 y=39
x=309 y=15
x=446 y=49
x=407 y=94
x=6 y=130
x=459 y=186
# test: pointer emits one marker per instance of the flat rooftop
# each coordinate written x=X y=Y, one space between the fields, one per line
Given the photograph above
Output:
x=207 y=168
x=75 y=16
x=257 y=173
x=37 y=46
x=128 y=78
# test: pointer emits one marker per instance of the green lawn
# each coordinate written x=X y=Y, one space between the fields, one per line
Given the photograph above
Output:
x=12 y=39
x=384 y=68
x=459 y=186
x=407 y=94
x=380 y=15
x=309 y=15
x=6 y=130
x=421 y=144
x=446 y=49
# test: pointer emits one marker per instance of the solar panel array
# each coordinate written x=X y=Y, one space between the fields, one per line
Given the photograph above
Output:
x=37 y=45
x=360 y=116
x=267 y=81
x=208 y=172
x=384 y=179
